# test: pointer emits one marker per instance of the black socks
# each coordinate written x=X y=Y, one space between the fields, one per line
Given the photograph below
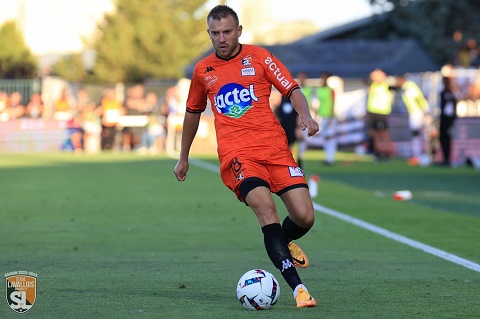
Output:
x=279 y=254
x=292 y=231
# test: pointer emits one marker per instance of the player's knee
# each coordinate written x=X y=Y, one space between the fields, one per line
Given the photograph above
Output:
x=307 y=221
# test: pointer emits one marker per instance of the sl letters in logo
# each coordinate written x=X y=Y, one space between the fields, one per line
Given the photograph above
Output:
x=21 y=290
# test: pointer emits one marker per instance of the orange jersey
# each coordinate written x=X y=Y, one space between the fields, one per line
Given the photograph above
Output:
x=238 y=90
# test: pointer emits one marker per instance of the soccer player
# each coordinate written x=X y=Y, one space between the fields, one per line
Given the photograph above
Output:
x=255 y=160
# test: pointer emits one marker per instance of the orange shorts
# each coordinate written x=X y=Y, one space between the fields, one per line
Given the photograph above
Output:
x=273 y=168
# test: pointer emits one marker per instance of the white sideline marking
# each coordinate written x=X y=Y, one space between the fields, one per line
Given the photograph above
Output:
x=375 y=229
x=399 y=238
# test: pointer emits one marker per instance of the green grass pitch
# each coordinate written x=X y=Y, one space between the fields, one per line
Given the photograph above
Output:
x=116 y=236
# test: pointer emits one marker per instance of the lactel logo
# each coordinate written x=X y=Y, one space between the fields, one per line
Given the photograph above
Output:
x=234 y=100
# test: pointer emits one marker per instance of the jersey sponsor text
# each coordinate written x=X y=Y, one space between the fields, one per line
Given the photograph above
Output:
x=277 y=72
x=234 y=100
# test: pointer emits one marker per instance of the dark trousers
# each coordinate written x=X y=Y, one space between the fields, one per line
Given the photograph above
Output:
x=446 y=124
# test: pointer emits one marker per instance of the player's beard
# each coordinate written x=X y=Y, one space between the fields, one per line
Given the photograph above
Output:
x=225 y=50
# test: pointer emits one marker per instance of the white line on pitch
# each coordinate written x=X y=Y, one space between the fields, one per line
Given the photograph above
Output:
x=375 y=229
x=399 y=238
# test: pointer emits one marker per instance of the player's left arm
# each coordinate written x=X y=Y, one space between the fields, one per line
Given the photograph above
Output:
x=300 y=104
x=282 y=80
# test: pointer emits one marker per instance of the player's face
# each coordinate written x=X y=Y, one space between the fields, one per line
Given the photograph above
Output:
x=224 y=34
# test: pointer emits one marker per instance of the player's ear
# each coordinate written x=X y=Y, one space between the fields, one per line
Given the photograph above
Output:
x=240 y=28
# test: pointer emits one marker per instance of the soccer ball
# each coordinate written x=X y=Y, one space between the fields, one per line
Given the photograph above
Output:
x=258 y=289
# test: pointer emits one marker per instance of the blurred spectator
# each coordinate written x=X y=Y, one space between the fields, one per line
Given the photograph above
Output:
x=63 y=106
x=154 y=130
x=34 y=107
x=163 y=115
x=468 y=55
x=418 y=110
x=326 y=118
x=110 y=111
x=4 y=116
x=134 y=105
x=90 y=121
x=83 y=99
x=448 y=114
x=75 y=133
x=379 y=107
x=66 y=110
x=92 y=128
x=15 y=107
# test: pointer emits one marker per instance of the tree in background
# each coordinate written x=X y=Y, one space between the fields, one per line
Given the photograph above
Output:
x=443 y=28
x=149 y=39
x=16 y=59
x=71 y=68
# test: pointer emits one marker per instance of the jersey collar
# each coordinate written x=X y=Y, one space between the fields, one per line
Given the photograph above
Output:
x=232 y=57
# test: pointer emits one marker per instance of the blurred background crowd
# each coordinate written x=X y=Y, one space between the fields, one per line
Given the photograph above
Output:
x=91 y=76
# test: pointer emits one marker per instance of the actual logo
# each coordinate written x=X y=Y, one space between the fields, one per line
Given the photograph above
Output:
x=21 y=290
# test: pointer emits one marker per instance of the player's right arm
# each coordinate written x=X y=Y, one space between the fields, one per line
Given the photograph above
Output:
x=190 y=127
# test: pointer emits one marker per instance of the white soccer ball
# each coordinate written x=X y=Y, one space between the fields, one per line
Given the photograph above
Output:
x=258 y=289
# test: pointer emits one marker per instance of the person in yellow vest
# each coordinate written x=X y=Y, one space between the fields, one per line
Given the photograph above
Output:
x=326 y=118
x=302 y=136
x=418 y=109
x=63 y=106
x=111 y=109
x=379 y=107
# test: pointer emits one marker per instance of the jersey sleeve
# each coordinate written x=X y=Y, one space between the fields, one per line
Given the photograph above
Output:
x=278 y=74
x=197 y=96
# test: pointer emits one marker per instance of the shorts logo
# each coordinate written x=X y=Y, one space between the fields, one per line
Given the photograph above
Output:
x=237 y=169
x=246 y=61
x=21 y=290
x=248 y=71
x=240 y=176
x=296 y=171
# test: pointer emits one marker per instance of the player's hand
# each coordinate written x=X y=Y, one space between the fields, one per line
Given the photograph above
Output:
x=181 y=169
x=310 y=125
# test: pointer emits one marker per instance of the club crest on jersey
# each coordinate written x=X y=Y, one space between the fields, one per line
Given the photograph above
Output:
x=234 y=100
x=246 y=61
